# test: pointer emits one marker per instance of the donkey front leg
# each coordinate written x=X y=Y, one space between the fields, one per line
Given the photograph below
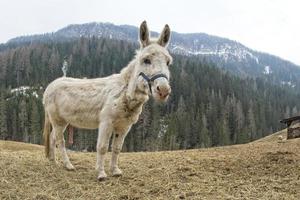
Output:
x=105 y=131
x=117 y=143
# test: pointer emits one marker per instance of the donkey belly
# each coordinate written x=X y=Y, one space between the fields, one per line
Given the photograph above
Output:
x=79 y=117
x=81 y=122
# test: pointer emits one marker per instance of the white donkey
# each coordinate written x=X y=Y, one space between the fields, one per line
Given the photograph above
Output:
x=111 y=104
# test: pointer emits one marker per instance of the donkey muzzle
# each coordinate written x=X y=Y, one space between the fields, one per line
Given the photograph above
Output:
x=163 y=90
x=151 y=80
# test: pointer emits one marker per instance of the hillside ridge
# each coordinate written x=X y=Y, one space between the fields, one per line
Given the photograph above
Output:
x=225 y=53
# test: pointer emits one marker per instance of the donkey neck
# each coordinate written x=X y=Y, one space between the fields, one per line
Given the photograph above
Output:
x=134 y=97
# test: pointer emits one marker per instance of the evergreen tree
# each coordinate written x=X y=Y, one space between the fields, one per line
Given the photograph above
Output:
x=252 y=131
x=205 y=140
x=35 y=124
x=23 y=117
x=3 y=116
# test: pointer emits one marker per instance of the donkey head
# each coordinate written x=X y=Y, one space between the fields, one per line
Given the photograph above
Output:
x=153 y=63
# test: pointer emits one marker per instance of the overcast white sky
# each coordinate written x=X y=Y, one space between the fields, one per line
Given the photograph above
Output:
x=271 y=26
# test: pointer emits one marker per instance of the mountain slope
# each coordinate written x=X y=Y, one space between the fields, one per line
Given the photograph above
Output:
x=263 y=170
x=199 y=113
x=227 y=54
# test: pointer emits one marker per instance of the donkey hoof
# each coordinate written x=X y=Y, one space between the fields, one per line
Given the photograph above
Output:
x=102 y=179
x=117 y=175
x=117 y=172
x=102 y=176
x=69 y=167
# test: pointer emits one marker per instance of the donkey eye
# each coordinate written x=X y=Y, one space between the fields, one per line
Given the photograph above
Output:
x=147 y=61
x=168 y=62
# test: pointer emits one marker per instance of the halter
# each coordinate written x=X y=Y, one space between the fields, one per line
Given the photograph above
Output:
x=152 y=79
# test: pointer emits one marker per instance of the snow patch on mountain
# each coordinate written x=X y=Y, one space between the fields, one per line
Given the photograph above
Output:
x=225 y=51
x=267 y=70
x=24 y=91
x=163 y=128
x=288 y=83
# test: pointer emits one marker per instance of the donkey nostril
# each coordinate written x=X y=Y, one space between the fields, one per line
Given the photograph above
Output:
x=157 y=88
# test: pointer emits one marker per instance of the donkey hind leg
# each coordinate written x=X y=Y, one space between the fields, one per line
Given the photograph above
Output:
x=59 y=129
x=117 y=143
x=52 y=144
x=104 y=134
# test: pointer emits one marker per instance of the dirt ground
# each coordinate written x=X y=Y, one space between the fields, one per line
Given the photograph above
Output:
x=265 y=169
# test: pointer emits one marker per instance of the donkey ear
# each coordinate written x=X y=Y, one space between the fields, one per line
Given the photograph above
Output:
x=164 y=36
x=144 y=34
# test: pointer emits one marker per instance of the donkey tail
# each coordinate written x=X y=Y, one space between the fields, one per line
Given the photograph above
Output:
x=46 y=135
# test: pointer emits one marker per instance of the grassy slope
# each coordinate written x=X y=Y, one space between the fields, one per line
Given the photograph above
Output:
x=266 y=169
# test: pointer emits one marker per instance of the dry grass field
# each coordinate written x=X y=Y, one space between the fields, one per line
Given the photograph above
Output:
x=264 y=169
